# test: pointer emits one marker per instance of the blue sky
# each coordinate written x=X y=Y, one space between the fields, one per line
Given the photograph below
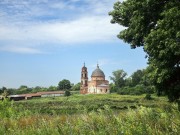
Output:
x=45 y=41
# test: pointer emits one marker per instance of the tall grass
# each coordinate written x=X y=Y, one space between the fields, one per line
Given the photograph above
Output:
x=105 y=120
x=76 y=103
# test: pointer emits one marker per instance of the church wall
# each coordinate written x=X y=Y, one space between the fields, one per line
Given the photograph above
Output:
x=98 y=90
x=104 y=90
x=92 y=89
x=84 y=90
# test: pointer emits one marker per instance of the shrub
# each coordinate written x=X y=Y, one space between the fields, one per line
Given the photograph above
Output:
x=148 y=97
x=6 y=108
x=67 y=93
x=137 y=90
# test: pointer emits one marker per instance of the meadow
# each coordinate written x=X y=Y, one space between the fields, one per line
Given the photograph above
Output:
x=110 y=114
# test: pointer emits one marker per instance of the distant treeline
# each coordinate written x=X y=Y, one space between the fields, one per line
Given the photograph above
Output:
x=136 y=84
x=23 y=89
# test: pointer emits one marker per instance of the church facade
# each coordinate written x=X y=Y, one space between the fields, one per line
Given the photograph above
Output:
x=97 y=84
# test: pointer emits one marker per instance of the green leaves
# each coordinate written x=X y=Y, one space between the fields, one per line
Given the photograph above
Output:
x=163 y=50
x=64 y=85
x=119 y=78
x=137 y=16
x=6 y=108
x=154 y=25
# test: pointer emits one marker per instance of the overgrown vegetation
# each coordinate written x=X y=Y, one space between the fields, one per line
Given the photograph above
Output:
x=90 y=114
x=136 y=84
x=155 y=26
x=136 y=90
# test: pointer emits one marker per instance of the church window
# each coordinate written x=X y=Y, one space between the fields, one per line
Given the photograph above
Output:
x=85 y=74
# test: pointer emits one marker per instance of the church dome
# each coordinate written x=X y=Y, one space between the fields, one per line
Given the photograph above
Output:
x=97 y=72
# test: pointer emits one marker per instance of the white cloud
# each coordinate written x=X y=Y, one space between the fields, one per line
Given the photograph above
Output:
x=17 y=49
x=83 y=30
x=91 y=26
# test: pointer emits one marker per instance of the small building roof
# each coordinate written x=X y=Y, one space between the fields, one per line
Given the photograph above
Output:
x=50 y=92
x=38 y=94
x=31 y=95
x=16 y=96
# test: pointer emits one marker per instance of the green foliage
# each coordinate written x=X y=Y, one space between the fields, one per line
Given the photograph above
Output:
x=37 y=89
x=137 y=77
x=160 y=117
x=75 y=104
x=7 y=91
x=5 y=94
x=148 y=97
x=76 y=87
x=119 y=78
x=137 y=84
x=154 y=25
x=23 y=90
x=136 y=90
x=52 y=88
x=64 y=84
x=23 y=87
x=139 y=16
x=112 y=88
x=165 y=61
x=67 y=93
x=1 y=91
x=6 y=108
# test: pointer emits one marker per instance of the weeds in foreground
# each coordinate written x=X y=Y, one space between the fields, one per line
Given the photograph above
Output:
x=104 y=121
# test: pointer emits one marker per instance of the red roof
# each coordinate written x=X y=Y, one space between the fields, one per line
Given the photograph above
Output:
x=38 y=94
x=31 y=95
x=50 y=92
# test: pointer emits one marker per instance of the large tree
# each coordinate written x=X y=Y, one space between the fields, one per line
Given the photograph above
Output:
x=64 y=85
x=137 y=77
x=118 y=77
x=155 y=25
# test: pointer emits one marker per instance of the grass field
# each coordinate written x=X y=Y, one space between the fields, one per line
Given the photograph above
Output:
x=110 y=114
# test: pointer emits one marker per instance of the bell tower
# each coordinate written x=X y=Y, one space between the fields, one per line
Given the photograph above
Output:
x=84 y=80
